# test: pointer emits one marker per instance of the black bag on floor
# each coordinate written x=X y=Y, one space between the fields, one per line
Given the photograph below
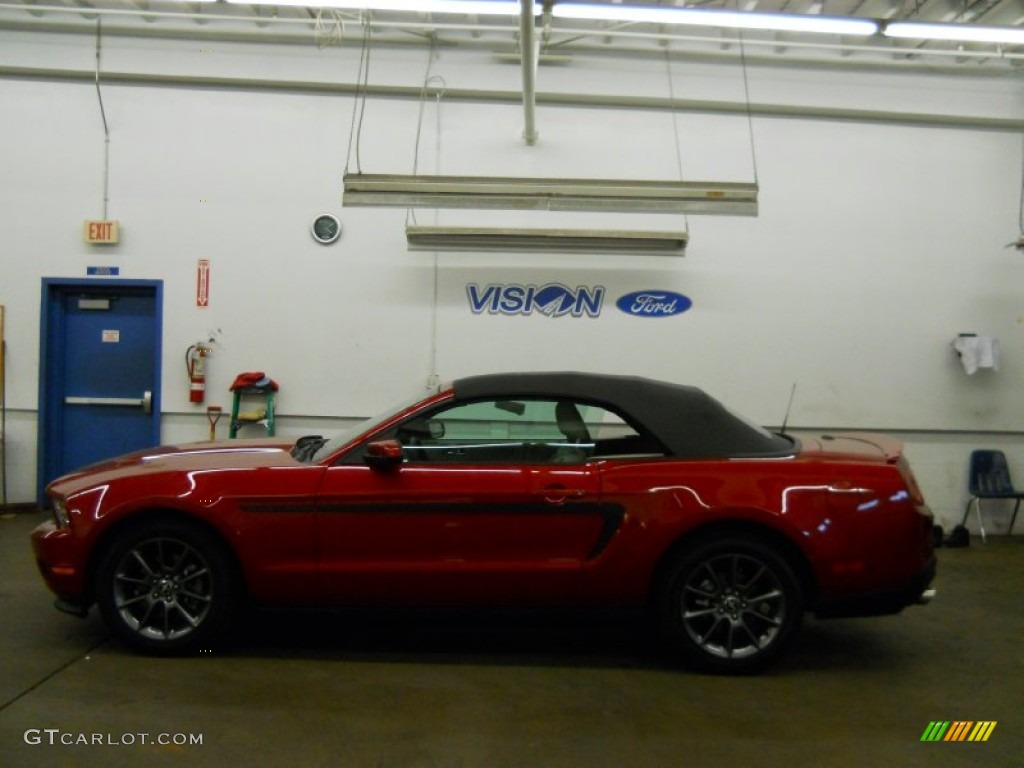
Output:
x=958 y=537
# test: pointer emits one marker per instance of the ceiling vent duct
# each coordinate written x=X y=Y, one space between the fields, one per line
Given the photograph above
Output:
x=435 y=238
x=601 y=195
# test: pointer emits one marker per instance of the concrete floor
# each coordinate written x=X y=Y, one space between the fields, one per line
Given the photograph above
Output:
x=405 y=690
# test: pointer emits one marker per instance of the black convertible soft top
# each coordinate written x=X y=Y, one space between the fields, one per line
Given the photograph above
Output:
x=686 y=420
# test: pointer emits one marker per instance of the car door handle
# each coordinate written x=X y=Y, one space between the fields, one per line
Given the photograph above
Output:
x=559 y=494
x=145 y=402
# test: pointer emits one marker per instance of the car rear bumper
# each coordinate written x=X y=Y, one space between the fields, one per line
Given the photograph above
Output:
x=916 y=592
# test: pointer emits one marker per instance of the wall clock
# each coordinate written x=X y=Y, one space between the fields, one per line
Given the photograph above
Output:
x=326 y=228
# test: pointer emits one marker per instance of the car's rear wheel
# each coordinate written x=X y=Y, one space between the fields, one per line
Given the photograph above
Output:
x=730 y=604
x=166 y=587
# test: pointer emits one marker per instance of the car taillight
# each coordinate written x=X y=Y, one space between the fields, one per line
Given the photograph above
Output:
x=912 y=487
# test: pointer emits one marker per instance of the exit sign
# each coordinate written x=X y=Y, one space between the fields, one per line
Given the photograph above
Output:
x=100 y=232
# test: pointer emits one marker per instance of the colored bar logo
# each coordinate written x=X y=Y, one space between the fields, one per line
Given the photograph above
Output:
x=958 y=730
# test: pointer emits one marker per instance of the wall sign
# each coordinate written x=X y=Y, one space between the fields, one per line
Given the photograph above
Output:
x=203 y=283
x=101 y=231
x=653 y=303
x=551 y=299
x=558 y=300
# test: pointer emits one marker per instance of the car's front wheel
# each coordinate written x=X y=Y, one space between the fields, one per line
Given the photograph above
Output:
x=730 y=604
x=166 y=586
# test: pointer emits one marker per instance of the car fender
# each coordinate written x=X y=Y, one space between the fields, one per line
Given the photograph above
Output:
x=751 y=523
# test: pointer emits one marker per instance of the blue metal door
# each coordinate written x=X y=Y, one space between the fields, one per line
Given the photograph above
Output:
x=100 y=372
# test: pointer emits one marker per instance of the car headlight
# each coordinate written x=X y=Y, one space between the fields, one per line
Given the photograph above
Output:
x=60 y=514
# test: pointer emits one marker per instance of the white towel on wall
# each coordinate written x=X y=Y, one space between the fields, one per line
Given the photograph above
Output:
x=977 y=352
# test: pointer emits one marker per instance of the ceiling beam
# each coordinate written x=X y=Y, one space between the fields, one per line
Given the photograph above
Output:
x=550 y=194
x=437 y=238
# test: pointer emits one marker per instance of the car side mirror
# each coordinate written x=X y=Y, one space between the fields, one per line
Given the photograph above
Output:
x=384 y=454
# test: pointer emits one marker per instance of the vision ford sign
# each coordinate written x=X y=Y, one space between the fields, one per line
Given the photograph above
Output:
x=558 y=300
x=654 y=303
x=552 y=299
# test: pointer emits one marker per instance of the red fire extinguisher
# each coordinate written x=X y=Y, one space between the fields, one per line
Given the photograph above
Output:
x=195 y=363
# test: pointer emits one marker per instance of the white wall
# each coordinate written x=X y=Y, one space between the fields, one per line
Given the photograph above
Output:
x=876 y=242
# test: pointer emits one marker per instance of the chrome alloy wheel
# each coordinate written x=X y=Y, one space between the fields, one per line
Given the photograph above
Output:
x=733 y=605
x=163 y=588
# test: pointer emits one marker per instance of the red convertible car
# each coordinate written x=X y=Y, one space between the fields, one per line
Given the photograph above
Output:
x=504 y=489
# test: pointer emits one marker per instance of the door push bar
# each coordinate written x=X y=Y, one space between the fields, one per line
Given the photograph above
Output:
x=145 y=402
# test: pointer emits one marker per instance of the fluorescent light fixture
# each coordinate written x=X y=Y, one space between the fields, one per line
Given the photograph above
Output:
x=963 y=33
x=709 y=17
x=432 y=238
x=512 y=193
x=473 y=7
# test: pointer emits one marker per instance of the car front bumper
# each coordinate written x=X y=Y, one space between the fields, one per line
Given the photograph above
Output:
x=61 y=565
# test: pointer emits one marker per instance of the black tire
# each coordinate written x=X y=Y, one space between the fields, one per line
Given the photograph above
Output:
x=166 y=587
x=730 y=604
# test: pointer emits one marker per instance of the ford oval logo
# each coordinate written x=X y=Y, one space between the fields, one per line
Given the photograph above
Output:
x=654 y=303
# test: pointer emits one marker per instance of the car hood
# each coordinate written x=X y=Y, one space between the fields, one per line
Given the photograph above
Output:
x=225 y=454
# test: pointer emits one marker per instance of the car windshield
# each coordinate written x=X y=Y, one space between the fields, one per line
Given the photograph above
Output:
x=329 y=446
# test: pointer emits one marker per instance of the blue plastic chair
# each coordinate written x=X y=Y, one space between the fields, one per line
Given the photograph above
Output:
x=990 y=479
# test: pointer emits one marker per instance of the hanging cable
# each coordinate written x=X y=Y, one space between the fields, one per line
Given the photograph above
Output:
x=106 y=128
x=329 y=28
x=427 y=80
x=359 y=101
x=410 y=214
x=1020 y=218
x=434 y=378
x=362 y=104
x=675 y=127
x=746 y=98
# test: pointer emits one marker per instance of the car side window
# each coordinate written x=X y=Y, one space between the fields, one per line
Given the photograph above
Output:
x=513 y=431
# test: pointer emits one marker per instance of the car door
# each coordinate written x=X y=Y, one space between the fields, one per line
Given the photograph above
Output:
x=481 y=508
